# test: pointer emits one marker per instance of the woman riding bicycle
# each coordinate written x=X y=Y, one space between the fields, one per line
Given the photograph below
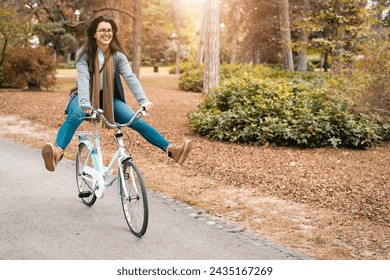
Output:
x=98 y=62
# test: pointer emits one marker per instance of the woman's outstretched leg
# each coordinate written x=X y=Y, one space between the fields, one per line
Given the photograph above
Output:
x=52 y=154
x=123 y=113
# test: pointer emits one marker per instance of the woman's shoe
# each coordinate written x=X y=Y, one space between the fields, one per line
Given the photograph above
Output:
x=51 y=156
x=179 y=154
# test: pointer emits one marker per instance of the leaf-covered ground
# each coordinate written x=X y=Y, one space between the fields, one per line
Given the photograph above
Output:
x=325 y=203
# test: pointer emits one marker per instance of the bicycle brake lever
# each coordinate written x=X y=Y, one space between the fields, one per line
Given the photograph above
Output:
x=89 y=117
x=144 y=113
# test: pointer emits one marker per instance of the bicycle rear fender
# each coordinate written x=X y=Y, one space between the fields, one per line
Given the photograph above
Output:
x=89 y=146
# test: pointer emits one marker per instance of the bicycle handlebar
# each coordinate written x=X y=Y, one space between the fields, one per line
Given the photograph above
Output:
x=99 y=113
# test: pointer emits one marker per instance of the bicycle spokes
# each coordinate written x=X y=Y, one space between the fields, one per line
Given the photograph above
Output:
x=84 y=181
x=133 y=198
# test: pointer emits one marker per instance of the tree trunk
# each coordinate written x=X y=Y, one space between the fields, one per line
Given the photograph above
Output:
x=337 y=38
x=137 y=28
x=287 y=56
x=211 y=69
x=202 y=36
x=237 y=12
x=178 y=38
x=303 y=37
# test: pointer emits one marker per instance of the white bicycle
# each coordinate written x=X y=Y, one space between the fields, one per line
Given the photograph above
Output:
x=93 y=178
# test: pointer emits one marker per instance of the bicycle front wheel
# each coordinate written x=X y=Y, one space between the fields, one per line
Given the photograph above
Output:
x=84 y=181
x=133 y=198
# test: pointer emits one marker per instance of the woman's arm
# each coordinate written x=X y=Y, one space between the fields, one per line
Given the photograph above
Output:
x=83 y=80
x=131 y=79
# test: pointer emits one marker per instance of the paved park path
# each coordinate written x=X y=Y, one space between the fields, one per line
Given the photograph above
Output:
x=43 y=219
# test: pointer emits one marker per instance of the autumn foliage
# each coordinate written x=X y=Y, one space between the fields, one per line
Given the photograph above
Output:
x=33 y=69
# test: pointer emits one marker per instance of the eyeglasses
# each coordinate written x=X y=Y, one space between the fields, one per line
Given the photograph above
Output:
x=104 y=31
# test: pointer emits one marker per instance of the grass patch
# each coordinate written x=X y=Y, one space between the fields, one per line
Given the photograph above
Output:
x=144 y=70
x=66 y=72
x=162 y=82
x=150 y=70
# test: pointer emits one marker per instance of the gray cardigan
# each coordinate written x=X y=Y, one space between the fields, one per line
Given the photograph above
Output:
x=121 y=64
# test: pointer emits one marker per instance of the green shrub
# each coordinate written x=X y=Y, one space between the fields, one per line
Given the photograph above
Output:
x=1 y=75
x=374 y=67
x=367 y=83
x=172 y=70
x=298 y=111
x=66 y=65
x=192 y=78
x=371 y=80
x=385 y=131
x=183 y=67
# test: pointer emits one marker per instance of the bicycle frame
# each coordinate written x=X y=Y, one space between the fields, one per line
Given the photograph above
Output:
x=100 y=172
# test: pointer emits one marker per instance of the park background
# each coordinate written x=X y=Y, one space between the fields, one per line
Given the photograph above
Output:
x=287 y=103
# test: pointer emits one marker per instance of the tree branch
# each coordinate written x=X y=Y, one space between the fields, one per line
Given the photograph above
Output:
x=94 y=12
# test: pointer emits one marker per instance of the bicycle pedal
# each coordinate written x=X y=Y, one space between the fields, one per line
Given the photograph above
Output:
x=84 y=194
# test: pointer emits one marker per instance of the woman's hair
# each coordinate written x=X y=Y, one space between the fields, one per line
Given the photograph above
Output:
x=90 y=46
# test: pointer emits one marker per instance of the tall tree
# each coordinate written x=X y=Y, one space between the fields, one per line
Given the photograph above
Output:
x=211 y=69
x=157 y=30
x=303 y=35
x=15 y=31
x=202 y=37
x=177 y=35
x=287 y=56
x=236 y=23
x=261 y=28
x=336 y=28
x=379 y=10
x=137 y=28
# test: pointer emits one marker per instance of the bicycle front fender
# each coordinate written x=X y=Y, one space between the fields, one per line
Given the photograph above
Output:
x=86 y=143
x=121 y=162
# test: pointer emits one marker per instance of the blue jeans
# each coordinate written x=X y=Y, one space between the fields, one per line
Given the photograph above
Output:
x=122 y=112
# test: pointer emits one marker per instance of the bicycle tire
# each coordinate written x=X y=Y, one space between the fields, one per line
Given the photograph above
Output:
x=135 y=206
x=82 y=184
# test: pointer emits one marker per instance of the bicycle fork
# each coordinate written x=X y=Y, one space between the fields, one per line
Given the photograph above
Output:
x=122 y=159
x=123 y=176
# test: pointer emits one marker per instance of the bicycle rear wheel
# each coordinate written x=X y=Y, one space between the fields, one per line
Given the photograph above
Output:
x=84 y=181
x=133 y=198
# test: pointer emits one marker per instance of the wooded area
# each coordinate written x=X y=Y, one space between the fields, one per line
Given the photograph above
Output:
x=299 y=32
x=333 y=36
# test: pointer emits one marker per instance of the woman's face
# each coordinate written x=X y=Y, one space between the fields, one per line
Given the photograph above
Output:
x=103 y=35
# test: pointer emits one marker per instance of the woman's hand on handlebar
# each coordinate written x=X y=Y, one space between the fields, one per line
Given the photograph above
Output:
x=148 y=106
x=88 y=111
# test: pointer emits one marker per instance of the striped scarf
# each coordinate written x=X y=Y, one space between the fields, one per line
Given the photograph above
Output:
x=108 y=87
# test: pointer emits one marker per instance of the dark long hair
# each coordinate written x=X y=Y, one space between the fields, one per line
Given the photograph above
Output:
x=90 y=46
